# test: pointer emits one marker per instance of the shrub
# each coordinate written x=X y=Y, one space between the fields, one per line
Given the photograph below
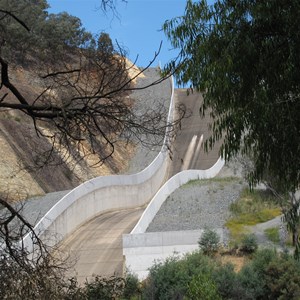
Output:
x=196 y=263
x=249 y=284
x=170 y=279
x=209 y=242
x=282 y=277
x=166 y=280
x=267 y=275
x=262 y=259
x=280 y=274
x=225 y=279
x=131 y=286
x=249 y=243
x=202 y=287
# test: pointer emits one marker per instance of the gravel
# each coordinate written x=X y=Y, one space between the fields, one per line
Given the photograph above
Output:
x=198 y=204
x=205 y=203
x=35 y=208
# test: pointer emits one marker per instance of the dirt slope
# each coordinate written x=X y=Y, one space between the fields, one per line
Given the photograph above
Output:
x=19 y=145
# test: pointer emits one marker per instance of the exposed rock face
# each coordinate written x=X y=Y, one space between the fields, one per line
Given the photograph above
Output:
x=20 y=146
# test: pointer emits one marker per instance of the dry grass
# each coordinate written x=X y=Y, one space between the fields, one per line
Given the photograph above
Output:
x=237 y=261
x=19 y=142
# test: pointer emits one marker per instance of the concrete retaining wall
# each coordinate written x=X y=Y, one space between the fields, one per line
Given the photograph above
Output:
x=102 y=194
x=169 y=187
x=141 y=249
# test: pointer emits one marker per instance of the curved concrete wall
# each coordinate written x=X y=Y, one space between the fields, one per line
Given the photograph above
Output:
x=141 y=249
x=169 y=187
x=103 y=194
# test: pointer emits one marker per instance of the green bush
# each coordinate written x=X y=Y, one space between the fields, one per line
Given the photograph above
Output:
x=268 y=275
x=262 y=259
x=249 y=243
x=282 y=279
x=202 y=287
x=209 y=242
x=225 y=279
x=166 y=280
x=249 y=284
x=170 y=279
x=196 y=263
x=132 y=287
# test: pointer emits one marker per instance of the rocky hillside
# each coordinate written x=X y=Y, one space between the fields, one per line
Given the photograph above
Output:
x=20 y=145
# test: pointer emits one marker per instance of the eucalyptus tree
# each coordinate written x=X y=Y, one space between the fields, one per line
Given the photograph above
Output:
x=244 y=56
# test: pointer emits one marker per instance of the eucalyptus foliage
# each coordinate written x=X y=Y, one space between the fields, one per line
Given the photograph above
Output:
x=244 y=56
x=26 y=27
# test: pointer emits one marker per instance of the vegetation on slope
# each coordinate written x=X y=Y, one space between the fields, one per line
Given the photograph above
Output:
x=253 y=207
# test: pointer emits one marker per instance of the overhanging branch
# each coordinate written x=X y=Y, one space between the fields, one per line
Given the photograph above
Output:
x=15 y=18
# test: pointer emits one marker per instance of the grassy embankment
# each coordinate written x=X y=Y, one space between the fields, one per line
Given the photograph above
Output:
x=253 y=207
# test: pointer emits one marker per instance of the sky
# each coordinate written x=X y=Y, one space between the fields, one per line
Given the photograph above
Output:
x=137 y=29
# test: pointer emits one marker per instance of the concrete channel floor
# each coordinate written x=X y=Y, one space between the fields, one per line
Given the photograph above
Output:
x=187 y=148
x=97 y=245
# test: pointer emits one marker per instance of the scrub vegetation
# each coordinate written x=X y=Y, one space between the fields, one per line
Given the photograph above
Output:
x=253 y=207
x=197 y=276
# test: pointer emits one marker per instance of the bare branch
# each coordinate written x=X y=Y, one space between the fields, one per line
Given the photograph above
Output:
x=6 y=82
x=61 y=73
x=23 y=24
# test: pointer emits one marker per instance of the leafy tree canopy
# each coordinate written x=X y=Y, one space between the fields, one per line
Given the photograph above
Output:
x=104 y=43
x=84 y=83
x=244 y=57
x=27 y=27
